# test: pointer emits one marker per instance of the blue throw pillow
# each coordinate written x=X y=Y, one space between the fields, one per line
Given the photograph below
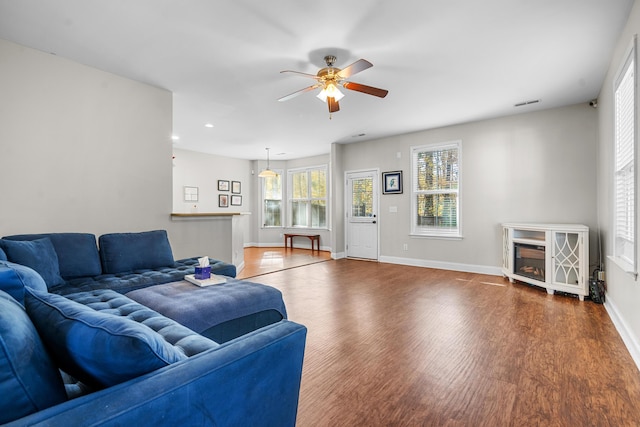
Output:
x=99 y=349
x=3 y=256
x=126 y=252
x=37 y=254
x=30 y=382
x=77 y=252
x=15 y=277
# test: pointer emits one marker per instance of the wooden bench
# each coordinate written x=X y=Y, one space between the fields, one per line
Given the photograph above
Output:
x=288 y=239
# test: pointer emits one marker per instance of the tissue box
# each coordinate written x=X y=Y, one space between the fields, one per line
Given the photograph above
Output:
x=203 y=273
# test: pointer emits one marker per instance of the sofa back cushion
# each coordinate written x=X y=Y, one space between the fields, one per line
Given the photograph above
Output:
x=77 y=252
x=30 y=382
x=38 y=254
x=3 y=256
x=15 y=277
x=99 y=349
x=126 y=252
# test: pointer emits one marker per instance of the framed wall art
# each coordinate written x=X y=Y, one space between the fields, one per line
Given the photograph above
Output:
x=236 y=200
x=235 y=187
x=190 y=194
x=392 y=182
x=223 y=200
x=223 y=185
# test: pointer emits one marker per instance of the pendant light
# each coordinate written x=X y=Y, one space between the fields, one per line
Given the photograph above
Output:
x=267 y=173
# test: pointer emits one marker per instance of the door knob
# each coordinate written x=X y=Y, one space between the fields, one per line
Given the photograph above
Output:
x=373 y=222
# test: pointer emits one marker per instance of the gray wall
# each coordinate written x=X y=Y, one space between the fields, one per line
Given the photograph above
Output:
x=88 y=151
x=623 y=291
x=535 y=167
x=82 y=150
x=203 y=171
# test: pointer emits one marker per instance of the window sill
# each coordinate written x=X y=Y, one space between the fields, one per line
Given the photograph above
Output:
x=436 y=236
x=308 y=228
x=624 y=266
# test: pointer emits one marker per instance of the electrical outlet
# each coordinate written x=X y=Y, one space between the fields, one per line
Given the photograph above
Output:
x=405 y=247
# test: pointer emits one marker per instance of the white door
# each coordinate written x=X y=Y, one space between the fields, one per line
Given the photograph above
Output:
x=362 y=214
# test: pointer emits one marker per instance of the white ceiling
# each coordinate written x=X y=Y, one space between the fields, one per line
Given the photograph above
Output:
x=443 y=61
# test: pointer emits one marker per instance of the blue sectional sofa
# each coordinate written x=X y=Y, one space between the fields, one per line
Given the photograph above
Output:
x=72 y=262
x=75 y=349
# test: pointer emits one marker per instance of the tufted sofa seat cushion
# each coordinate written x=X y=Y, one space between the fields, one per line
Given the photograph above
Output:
x=126 y=282
x=107 y=301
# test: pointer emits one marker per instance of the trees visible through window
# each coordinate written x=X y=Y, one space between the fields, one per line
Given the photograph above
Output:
x=362 y=197
x=272 y=201
x=308 y=197
x=436 y=189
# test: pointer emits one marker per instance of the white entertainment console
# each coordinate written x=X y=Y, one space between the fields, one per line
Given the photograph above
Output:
x=552 y=256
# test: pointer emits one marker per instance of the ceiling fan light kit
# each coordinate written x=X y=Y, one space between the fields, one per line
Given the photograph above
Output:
x=331 y=91
x=330 y=77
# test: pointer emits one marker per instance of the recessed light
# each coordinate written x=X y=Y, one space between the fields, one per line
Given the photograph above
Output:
x=357 y=135
x=208 y=125
x=175 y=137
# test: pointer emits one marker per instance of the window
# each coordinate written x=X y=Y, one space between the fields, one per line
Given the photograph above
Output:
x=435 y=191
x=625 y=164
x=308 y=197
x=272 y=201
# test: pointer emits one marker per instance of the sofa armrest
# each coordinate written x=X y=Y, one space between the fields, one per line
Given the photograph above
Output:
x=252 y=380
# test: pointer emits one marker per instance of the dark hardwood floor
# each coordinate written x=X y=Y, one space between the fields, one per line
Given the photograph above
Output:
x=392 y=345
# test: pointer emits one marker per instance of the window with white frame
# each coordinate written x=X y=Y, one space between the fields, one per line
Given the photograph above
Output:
x=272 y=201
x=435 y=189
x=625 y=163
x=308 y=197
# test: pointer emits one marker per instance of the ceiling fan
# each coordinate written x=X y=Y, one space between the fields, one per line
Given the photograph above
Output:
x=330 y=77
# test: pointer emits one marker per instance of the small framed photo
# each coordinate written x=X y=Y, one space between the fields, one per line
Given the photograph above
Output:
x=190 y=194
x=392 y=182
x=223 y=185
x=236 y=200
x=235 y=187
x=223 y=200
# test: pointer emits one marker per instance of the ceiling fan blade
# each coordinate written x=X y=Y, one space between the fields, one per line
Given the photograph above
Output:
x=296 y=93
x=311 y=76
x=333 y=104
x=356 y=67
x=369 y=90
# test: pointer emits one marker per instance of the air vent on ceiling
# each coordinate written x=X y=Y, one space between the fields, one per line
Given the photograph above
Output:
x=533 y=101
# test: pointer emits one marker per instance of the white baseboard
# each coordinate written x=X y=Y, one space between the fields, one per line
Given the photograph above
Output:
x=240 y=267
x=469 y=268
x=629 y=339
x=281 y=245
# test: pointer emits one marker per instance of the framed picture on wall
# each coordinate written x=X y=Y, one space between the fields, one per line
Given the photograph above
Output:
x=236 y=200
x=392 y=182
x=190 y=194
x=223 y=185
x=223 y=200
x=235 y=187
